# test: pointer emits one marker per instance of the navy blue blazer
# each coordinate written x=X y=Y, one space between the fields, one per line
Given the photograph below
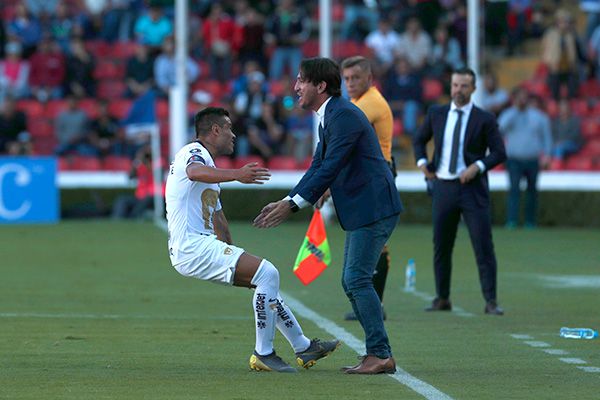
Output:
x=348 y=160
x=481 y=135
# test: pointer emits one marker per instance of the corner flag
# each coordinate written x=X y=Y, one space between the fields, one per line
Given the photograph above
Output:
x=314 y=255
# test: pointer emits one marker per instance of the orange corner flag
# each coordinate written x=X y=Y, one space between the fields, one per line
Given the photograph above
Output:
x=314 y=255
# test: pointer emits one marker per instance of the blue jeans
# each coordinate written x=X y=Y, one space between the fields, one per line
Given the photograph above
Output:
x=517 y=169
x=361 y=252
x=282 y=56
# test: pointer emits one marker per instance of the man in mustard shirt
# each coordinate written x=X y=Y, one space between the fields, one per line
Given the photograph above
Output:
x=356 y=72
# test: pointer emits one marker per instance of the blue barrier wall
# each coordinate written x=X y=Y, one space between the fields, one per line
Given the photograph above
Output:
x=28 y=190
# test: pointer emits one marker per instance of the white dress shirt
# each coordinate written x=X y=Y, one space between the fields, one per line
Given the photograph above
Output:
x=443 y=171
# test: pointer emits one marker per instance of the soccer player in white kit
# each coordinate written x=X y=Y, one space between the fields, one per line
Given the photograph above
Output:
x=200 y=244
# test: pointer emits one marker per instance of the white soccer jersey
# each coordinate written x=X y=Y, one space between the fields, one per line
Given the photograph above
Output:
x=190 y=205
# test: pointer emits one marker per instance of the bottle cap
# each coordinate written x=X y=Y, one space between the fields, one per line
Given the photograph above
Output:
x=411 y=260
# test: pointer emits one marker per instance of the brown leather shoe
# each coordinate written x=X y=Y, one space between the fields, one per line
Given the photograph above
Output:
x=439 y=304
x=347 y=367
x=493 y=309
x=371 y=365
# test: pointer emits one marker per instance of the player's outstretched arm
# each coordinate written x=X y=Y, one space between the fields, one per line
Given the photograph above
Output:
x=249 y=173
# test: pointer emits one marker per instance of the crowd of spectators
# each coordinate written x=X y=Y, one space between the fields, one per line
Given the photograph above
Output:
x=245 y=55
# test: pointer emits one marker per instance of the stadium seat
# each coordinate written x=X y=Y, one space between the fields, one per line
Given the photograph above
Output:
x=305 y=164
x=537 y=87
x=241 y=161
x=84 y=163
x=63 y=164
x=556 y=164
x=591 y=148
x=43 y=145
x=345 y=49
x=116 y=163
x=398 y=128
x=277 y=88
x=55 y=107
x=162 y=109
x=579 y=107
x=590 y=127
x=590 y=88
x=310 y=48
x=214 y=87
x=119 y=108
x=109 y=69
x=123 y=50
x=98 y=48
x=579 y=163
x=89 y=106
x=551 y=108
x=224 y=162
x=40 y=127
x=111 y=89
x=432 y=89
x=283 y=163
x=31 y=108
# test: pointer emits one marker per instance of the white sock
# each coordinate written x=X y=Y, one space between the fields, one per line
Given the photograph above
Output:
x=264 y=302
x=289 y=327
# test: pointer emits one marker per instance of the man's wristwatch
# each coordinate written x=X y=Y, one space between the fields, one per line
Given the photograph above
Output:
x=293 y=206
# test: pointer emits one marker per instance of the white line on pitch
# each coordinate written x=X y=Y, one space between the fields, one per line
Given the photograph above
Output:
x=536 y=343
x=573 y=360
x=521 y=336
x=556 y=352
x=419 y=386
x=423 y=388
x=589 y=369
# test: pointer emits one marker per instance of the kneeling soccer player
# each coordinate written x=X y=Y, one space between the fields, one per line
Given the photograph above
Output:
x=200 y=243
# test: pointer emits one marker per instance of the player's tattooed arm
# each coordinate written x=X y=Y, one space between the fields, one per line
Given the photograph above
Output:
x=249 y=173
x=222 y=227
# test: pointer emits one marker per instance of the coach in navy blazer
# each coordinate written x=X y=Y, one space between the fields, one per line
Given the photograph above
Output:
x=467 y=144
x=348 y=161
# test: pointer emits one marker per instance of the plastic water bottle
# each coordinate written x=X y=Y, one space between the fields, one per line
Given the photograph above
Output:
x=410 y=280
x=578 y=333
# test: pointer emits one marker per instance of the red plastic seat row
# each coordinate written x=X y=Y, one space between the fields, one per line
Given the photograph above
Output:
x=83 y=163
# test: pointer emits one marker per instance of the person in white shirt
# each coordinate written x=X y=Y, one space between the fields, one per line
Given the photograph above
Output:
x=200 y=244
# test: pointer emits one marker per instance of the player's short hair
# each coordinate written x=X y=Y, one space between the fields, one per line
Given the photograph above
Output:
x=205 y=119
x=360 y=61
x=321 y=69
x=465 y=71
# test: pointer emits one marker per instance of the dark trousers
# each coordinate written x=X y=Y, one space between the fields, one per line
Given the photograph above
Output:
x=451 y=199
x=518 y=169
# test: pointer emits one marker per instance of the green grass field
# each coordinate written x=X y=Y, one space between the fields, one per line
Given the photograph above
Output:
x=93 y=310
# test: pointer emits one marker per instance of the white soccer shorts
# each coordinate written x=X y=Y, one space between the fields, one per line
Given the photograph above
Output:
x=215 y=261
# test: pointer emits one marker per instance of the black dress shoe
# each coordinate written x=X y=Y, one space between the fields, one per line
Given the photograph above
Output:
x=493 y=309
x=439 y=304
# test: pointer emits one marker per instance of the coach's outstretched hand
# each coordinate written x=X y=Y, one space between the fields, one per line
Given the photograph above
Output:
x=252 y=173
x=273 y=214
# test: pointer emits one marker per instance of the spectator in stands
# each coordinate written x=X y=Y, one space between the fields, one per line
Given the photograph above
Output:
x=62 y=26
x=493 y=98
x=266 y=134
x=247 y=105
x=47 y=71
x=527 y=133
x=445 y=55
x=240 y=84
x=72 y=131
x=287 y=29
x=252 y=46
x=14 y=73
x=592 y=10
x=104 y=132
x=404 y=92
x=79 y=79
x=42 y=8
x=26 y=29
x=414 y=45
x=14 y=138
x=561 y=54
x=457 y=24
x=2 y=39
x=152 y=28
x=299 y=127
x=566 y=132
x=519 y=17
x=164 y=68
x=383 y=43
x=360 y=18
x=117 y=20
x=134 y=206
x=222 y=40
x=594 y=50
x=139 y=74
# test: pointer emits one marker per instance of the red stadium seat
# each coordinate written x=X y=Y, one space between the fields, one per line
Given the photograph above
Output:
x=591 y=148
x=579 y=163
x=31 y=108
x=345 y=49
x=109 y=69
x=116 y=163
x=110 y=90
x=162 y=109
x=590 y=88
x=283 y=163
x=590 y=127
x=398 y=129
x=89 y=106
x=43 y=145
x=214 y=87
x=310 y=48
x=556 y=164
x=98 y=48
x=55 y=107
x=123 y=50
x=551 y=108
x=84 y=163
x=305 y=164
x=40 y=127
x=241 y=161
x=119 y=108
x=432 y=89
x=579 y=107
x=224 y=162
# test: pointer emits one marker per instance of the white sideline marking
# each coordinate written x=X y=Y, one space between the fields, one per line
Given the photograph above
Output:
x=536 y=343
x=589 y=369
x=520 y=336
x=423 y=388
x=571 y=281
x=427 y=297
x=556 y=352
x=573 y=361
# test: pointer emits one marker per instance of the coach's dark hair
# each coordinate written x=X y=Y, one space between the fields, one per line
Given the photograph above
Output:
x=321 y=69
x=362 y=62
x=205 y=119
x=465 y=71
